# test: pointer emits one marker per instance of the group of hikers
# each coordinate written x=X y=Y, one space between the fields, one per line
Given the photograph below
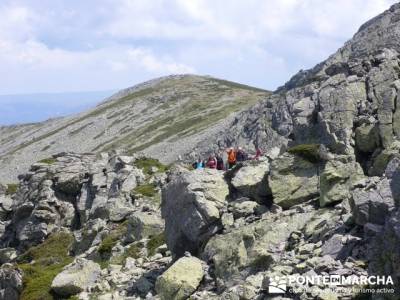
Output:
x=234 y=155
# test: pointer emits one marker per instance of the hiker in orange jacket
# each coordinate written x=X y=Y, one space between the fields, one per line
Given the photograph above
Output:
x=231 y=157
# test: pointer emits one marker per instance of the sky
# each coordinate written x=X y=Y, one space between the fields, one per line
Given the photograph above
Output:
x=58 y=46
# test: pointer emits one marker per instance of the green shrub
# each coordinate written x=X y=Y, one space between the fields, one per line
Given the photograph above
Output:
x=155 y=242
x=146 y=164
x=309 y=152
x=106 y=245
x=11 y=188
x=40 y=264
x=48 y=161
x=147 y=190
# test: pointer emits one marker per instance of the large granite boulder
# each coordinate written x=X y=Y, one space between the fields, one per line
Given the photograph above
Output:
x=337 y=178
x=76 y=277
x=293 y=180
x=181 y=279
x=251 y=180
x=191 y=204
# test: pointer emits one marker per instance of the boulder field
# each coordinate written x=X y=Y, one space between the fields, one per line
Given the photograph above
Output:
x=322 y=200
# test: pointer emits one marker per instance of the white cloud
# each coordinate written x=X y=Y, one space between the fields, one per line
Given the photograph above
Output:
x=62 y=45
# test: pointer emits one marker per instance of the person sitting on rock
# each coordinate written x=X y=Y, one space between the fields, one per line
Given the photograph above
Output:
x=200 y=164
x=231 y=157
x=212 y=162
x=241 y=155
x=258 y=154
x=220 y=162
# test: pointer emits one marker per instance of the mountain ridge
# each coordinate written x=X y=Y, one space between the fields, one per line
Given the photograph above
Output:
x=150 y=115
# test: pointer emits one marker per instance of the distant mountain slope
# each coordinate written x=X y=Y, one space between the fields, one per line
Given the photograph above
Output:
x=37 y=107
x=164 y=117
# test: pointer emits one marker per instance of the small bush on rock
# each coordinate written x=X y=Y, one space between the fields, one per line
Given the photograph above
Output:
x=147 y=190
x=11 y=189
x=48 y=161
x=146 y=164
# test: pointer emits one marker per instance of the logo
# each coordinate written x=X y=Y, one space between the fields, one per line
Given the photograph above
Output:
x=294 y=283
x=276 y=285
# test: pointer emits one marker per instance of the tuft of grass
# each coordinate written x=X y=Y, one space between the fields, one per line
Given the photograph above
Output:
x=146 y=164
x=48 y=161
x=134 y=250
x=147 y=190
x=11 y=189
x=40 y=264
x=155 y=242
x=309 y=152
x=106 y=246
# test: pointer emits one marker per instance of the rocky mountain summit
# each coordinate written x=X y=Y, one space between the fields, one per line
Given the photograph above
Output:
x=323 y=200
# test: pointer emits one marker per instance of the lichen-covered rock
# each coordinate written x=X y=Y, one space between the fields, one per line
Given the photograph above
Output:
x=76 y=277
x=190 y=207
x=337 y=179
x=181 y=279
x=293 y=180
x=380 y=161
x=251 y=180
x=257 y=245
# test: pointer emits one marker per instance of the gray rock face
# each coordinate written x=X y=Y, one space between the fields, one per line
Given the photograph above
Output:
x=199 y=195
x=373 y=202
x=337 y=179
x=10 y=282
x=76 y=277
x=293 y=180
x=67 y=192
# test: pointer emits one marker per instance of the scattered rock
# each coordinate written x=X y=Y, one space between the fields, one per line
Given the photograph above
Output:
x=181 y=279
x=76 y=277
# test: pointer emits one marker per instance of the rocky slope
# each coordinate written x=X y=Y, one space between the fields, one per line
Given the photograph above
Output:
x=154 y=117
x=323 y=200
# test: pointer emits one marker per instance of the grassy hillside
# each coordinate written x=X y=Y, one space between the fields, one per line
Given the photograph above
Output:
x=165 y=110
